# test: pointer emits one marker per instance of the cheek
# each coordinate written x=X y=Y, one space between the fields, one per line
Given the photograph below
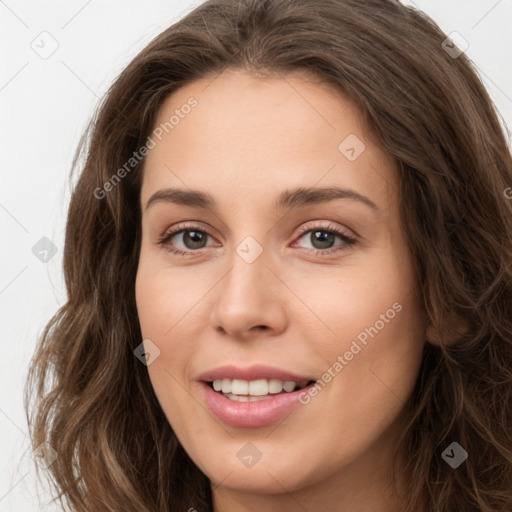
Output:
x=375 y=325
x=170 y=305
x=162 y=312
x=354 y=302
x=159 y=311
x=166 y=296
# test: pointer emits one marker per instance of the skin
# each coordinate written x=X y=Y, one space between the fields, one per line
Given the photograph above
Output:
x=246 y=141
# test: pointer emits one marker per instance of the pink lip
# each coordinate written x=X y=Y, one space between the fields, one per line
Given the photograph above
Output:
x=251 y=414
x=253 y=372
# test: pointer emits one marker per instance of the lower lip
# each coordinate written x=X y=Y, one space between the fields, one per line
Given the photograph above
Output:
x=251 y=414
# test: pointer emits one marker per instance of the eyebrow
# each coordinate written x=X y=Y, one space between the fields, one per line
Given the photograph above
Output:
x=287 y=199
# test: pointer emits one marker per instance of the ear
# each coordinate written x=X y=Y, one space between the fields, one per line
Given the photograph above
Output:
x=432 y=335
x=456 y=328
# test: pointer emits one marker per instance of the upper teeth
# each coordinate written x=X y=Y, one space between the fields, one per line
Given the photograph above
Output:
x=258 y=387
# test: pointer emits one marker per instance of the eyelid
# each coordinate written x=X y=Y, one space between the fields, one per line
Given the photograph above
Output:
x=324 y=225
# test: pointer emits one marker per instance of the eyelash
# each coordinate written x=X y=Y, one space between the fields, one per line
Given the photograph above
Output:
x=327 y=228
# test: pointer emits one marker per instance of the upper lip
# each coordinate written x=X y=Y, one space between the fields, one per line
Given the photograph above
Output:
x=253 y=372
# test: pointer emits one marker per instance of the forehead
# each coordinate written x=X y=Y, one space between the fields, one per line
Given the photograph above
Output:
x=245 y=134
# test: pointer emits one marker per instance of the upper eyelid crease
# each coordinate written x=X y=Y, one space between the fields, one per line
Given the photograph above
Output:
x=287 y=199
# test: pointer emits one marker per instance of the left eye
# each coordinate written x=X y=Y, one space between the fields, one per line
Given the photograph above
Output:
x=324 y=239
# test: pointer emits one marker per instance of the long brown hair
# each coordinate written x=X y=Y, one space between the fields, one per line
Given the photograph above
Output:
x=90 y=398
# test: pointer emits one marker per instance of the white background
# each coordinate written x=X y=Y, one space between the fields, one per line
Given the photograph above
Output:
x=45 y=104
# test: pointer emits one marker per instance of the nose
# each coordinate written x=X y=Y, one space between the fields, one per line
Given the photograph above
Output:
x=249 y=300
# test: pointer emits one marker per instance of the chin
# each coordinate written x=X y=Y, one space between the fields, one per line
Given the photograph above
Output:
x=260 y=479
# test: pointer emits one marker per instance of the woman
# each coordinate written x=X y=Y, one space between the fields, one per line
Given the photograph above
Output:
x=289 y=274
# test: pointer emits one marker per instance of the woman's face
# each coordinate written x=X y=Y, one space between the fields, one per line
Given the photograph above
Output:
x=284 y=281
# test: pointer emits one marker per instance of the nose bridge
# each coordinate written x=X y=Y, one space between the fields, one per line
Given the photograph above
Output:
x=248 y=263
x=247 y=295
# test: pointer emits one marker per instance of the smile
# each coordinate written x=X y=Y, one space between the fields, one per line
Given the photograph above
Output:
x=252 y=396
x=246 y=410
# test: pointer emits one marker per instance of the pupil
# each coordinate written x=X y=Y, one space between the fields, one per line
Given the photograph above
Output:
x=322 y=238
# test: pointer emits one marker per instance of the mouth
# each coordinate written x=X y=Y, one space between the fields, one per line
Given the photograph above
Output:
x=237 y=407
x=253 y=396
x=239 y=390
